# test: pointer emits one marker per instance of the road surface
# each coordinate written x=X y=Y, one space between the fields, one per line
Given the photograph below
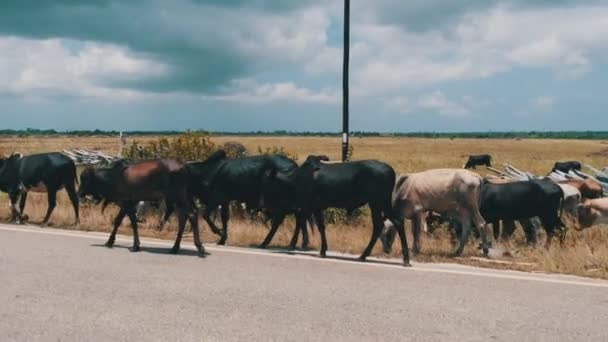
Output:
x=61 y=285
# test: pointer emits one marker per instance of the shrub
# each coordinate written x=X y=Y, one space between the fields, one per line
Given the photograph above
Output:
x=190 y=146
x=280 y=150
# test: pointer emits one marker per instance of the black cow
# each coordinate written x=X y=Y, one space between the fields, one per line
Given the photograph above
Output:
x=46 y=172
x=478 y=160
x=566 y=166
x=522 y=201
x=315 y=186
x=219 y=180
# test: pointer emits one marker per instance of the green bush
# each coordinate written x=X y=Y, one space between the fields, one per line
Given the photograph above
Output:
x=190 y=146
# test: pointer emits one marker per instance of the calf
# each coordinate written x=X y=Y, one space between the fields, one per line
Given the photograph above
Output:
x=478 y=160
x=452 y=192
x=315 y=186
x=523 y=200
x=46 y=172
x=219 y=180
x=127 y=184
x=566 y=166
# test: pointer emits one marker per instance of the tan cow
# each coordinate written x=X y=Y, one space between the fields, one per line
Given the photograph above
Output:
x=572 y=200
x=451 y=192
x=593 y=212
x=589 y=188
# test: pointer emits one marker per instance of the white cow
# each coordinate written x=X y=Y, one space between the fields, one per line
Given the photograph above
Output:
x=451 y=192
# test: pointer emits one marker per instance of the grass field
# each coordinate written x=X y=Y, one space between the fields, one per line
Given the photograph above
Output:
x=583 y=253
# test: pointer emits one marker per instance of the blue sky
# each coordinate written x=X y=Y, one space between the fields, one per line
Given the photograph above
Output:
x=420 y=65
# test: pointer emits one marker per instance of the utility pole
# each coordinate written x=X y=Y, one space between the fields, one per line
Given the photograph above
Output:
x=345 y=80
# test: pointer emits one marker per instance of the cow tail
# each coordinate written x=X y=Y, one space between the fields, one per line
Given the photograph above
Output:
x=561 y=207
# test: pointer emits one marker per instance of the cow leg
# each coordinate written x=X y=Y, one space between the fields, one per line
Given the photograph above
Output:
x=550 y=234
x=496 y=228
x=300 y=227
x=22 y=201
x=320 y=219
x=387 y=237
x=480 y=224
x=193 y=218
x=70 y=188
x=400 y=227
x=15 y=214
x=52 y=197
x=225 y=215
x=465 y=223
x=276 y=220
x=377 y=225
x=416 y=221
x=306 y=222
x=508 y=228
x=529 y=231
x=181 y=219
x=169 y=209
x=207 y=216
x=117 y=222
x=132 y=213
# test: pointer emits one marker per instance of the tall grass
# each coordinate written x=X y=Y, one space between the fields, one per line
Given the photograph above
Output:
x=582 y=253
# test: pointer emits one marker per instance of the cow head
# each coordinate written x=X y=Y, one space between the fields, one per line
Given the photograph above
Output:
x=586 y=216
x=92 y=184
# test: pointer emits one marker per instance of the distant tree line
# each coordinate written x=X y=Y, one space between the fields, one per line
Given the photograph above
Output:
x=600 y=135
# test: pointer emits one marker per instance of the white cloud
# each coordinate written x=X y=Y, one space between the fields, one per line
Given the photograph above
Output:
x=438 y=102
x=480 y=44
x=250 y=91
x=47 y=68
x=542 y=103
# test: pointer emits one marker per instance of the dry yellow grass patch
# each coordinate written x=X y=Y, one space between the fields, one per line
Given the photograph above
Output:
x=583 y=253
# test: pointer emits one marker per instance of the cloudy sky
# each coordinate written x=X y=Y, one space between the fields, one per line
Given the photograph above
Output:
x=416 y=65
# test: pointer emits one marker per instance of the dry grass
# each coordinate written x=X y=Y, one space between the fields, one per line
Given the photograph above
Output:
x=583 y=253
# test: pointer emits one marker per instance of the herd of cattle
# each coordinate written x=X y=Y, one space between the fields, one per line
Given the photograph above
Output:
x=277 y=186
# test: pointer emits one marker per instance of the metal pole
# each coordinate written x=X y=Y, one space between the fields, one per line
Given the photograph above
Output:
x=345 y=80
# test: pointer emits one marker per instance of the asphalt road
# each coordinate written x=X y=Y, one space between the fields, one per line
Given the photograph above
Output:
x=60 y=285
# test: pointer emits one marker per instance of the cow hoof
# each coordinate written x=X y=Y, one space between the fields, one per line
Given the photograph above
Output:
x=323 y=254
x=202 y=254
x=407 y=264
x=262 y=246
x=174 y=250
x=222 y=243
x=109 y=244
x=134 y=249
x=362 y=258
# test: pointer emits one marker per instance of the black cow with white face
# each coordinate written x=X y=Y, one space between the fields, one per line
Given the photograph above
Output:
x=45 y=172
x=478 y=160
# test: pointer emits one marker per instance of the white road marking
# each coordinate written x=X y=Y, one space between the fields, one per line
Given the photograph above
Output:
x=373 y=262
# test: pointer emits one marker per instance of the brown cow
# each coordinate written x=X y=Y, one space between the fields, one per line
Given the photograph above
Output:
x=452 y=192
x=593 y=212
x=126 y=185
x=589 y=188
